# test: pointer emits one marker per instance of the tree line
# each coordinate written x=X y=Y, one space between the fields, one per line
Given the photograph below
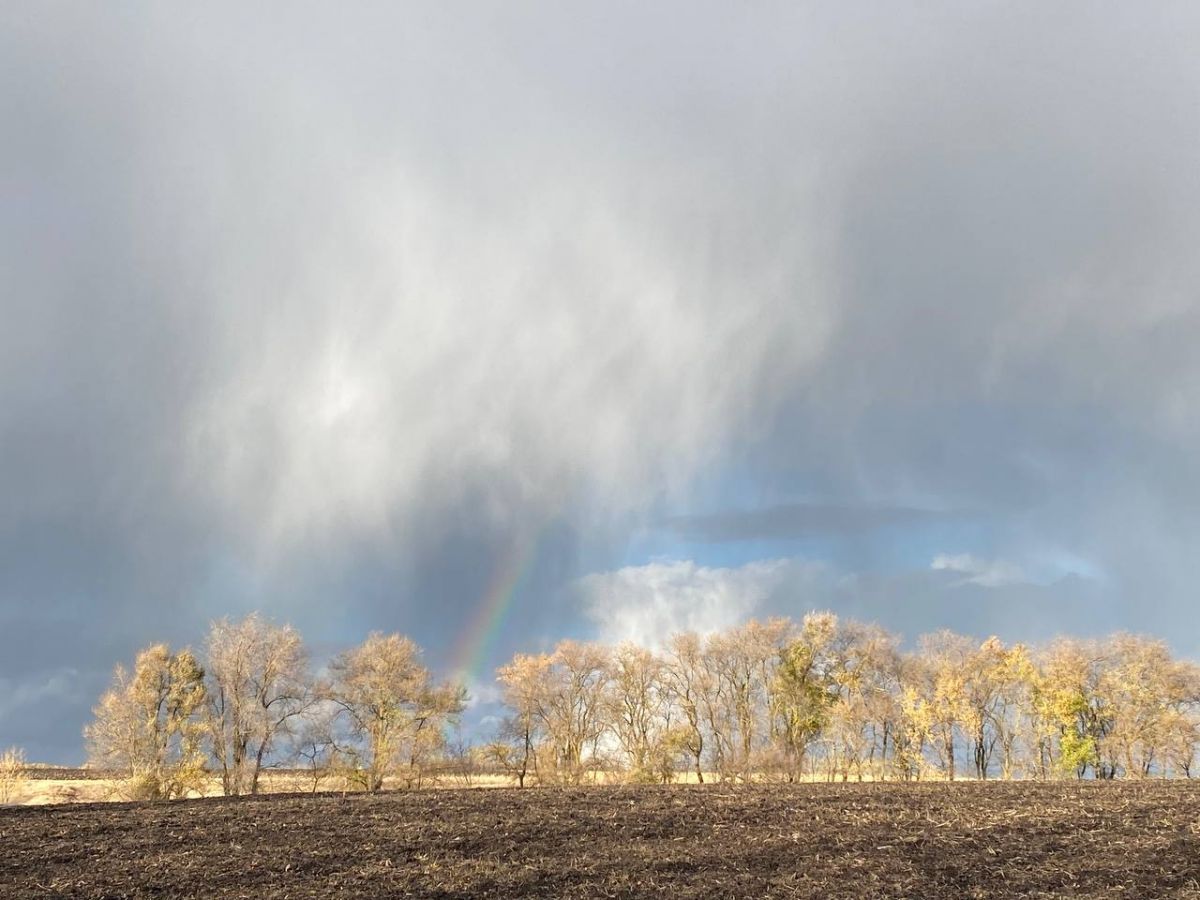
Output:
x=833 y=699
x=251 y=701
x=823 y=698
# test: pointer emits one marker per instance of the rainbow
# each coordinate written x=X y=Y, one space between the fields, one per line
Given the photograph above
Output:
x=473 y=645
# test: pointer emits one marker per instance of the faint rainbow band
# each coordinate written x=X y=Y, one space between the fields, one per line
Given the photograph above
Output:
x=476 y=639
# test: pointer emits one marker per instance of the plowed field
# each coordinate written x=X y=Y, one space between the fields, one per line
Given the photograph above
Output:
x=881 y=840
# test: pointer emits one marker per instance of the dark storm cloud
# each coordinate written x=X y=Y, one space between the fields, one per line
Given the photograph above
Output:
x=332 y=313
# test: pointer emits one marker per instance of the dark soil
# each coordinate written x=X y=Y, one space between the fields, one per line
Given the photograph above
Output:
x=884 y=840
x=61 y=773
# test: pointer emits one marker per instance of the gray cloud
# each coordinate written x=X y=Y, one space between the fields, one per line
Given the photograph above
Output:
x=914 y=603
x=799 y=520
x=331 y=313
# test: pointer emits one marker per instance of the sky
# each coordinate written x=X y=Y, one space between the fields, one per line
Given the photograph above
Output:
x=497 y=323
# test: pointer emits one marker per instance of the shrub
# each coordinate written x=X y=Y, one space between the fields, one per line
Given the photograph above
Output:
x=14 y=772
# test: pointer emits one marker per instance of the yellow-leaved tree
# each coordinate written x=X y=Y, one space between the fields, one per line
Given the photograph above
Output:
x=394 y=714
x=149 y=725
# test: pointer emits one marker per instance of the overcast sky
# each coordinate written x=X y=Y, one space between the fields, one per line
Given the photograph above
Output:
x=494 y=323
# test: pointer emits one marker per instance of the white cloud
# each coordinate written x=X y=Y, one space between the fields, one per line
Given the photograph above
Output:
x=547 y=341
x=482 y=692
x=646 y=604
x=984 y=572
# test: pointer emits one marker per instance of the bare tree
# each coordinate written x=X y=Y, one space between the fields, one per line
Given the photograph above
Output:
x=149 y=724
x=1012 y=715
x=314 y=746
x=640 y=711
x=1148 y=697
x=514 y=749
x=571 y=707
x=864 y=667
x=947 y=656
x=743 y=662
x=462 y=760
x=394 y=711
x=258 y=684
x=684 y=672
